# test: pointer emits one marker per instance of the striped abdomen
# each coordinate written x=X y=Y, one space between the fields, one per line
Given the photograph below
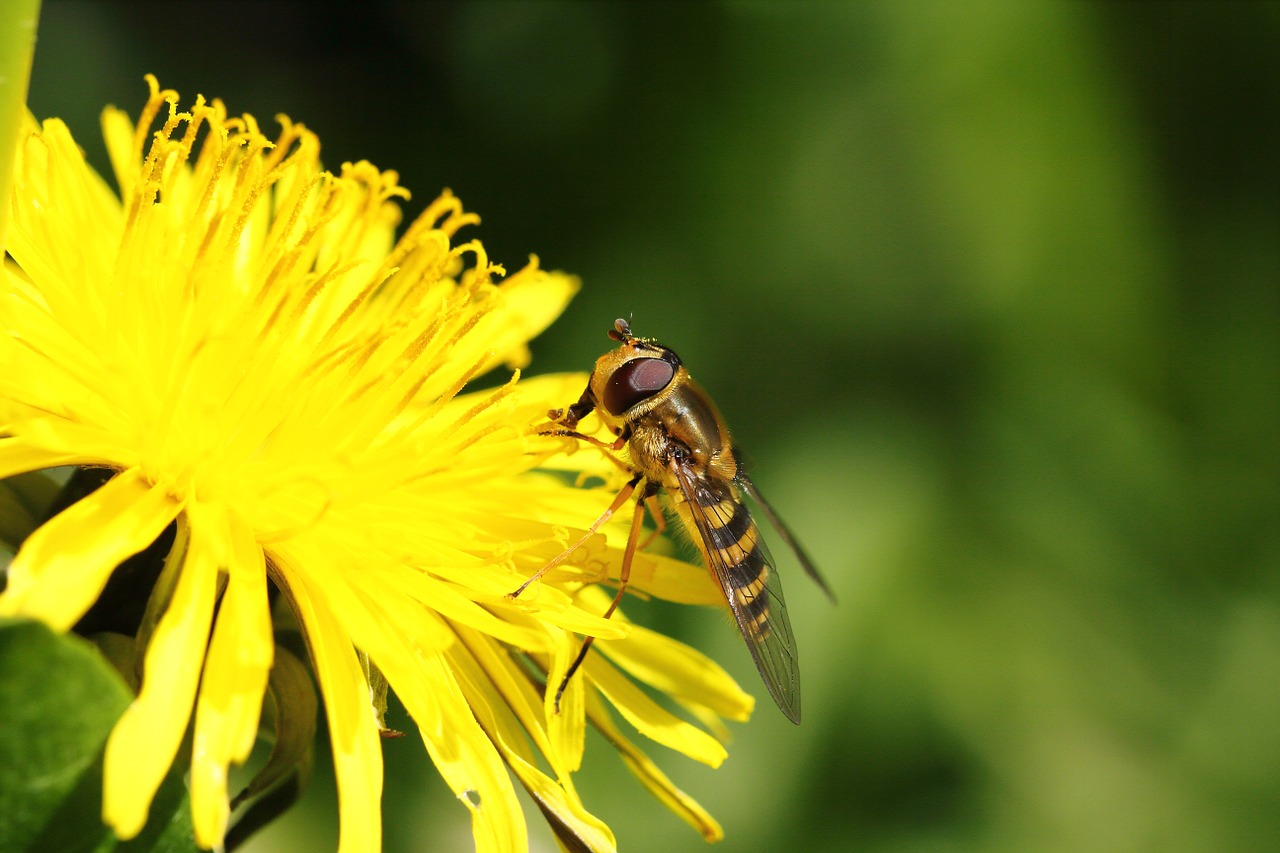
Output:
x=734 y=549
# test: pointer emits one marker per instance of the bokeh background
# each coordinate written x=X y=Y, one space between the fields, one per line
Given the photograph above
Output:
x=989 y=291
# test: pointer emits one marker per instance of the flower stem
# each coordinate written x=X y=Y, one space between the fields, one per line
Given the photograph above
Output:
x=17 y=44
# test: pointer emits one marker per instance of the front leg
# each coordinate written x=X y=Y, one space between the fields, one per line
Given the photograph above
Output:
x=564 y=423
x=569 y=418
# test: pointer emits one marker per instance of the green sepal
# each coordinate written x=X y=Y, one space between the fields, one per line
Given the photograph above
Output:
x=24 y=499
x=378 y=687
x=121 y=651
x=290 y=711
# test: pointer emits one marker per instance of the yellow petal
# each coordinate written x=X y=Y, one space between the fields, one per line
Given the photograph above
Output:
x=566 y=727
x=117 y=131
x=649 y=718
x=563 y=811
x=653 y=778
x=145 y=740
x=497 y=671
x=679 y=671
x=531 y=299
x=80 y=444
x=490 y=669
x=499 y=713
x=462 y=753
x=64 y=564
x=235 y=675
x=666 y=578
x=347 y=594
x=353 y=730
x=555 y=607
x=18 y=456
x=63 y=200
x=451 y=603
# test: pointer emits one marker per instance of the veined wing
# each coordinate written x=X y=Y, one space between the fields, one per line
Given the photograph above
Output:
x=736 y=554
x=806 y=562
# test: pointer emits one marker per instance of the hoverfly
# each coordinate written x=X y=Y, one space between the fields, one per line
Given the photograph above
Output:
x=678 y=444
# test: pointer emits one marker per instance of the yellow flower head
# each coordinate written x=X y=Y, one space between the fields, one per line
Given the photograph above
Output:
x=240 y=339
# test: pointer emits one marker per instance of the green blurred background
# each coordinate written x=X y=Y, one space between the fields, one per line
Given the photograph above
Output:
x=990 y=293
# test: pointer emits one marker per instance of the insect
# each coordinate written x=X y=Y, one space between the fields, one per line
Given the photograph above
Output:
x=677 y=444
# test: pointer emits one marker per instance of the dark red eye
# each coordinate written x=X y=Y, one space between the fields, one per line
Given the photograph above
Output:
x=635 y=382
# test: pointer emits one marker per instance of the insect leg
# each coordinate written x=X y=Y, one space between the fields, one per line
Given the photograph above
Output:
x=659 y=520
x=607 y=448
x=624 y=575
x=591 y=531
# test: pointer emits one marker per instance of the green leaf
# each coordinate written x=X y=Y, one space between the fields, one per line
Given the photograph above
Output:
x=59 y=699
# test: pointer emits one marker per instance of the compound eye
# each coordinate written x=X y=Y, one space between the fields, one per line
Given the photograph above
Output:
x=636 y=381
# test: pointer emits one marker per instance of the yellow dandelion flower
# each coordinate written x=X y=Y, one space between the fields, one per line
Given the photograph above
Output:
x=272 y=383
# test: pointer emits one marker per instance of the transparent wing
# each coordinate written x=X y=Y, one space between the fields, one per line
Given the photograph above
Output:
x=738 y=557
x=806 y=562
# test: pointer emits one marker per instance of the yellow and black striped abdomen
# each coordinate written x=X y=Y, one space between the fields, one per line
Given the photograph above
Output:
x=734 y=544
x=739 y=561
